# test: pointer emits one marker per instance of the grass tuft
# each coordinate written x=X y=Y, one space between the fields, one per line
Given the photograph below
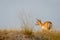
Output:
x=27 y=31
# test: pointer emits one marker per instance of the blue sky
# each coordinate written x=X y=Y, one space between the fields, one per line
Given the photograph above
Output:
x=41 y=9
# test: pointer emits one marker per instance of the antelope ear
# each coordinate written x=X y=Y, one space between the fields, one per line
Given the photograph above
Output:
x=38 y=19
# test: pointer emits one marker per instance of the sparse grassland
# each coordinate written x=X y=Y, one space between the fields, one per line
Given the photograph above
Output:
x=27 y=34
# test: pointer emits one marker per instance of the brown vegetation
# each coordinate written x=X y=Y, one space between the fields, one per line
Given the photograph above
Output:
x=27 y=34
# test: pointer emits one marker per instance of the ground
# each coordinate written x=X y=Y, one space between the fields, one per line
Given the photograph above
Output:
x=28 y=35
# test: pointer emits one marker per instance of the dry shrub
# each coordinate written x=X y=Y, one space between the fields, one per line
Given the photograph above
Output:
x=27 y=31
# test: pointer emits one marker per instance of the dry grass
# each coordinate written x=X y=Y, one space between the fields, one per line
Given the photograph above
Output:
x=27 y=34
x=27 y=31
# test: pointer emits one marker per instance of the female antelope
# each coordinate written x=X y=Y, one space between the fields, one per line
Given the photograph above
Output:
x=45 y=26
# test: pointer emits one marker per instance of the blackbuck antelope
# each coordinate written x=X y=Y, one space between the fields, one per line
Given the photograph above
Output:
x=47 y=25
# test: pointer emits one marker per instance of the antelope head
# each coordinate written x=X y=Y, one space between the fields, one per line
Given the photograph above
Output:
x=38 y=22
